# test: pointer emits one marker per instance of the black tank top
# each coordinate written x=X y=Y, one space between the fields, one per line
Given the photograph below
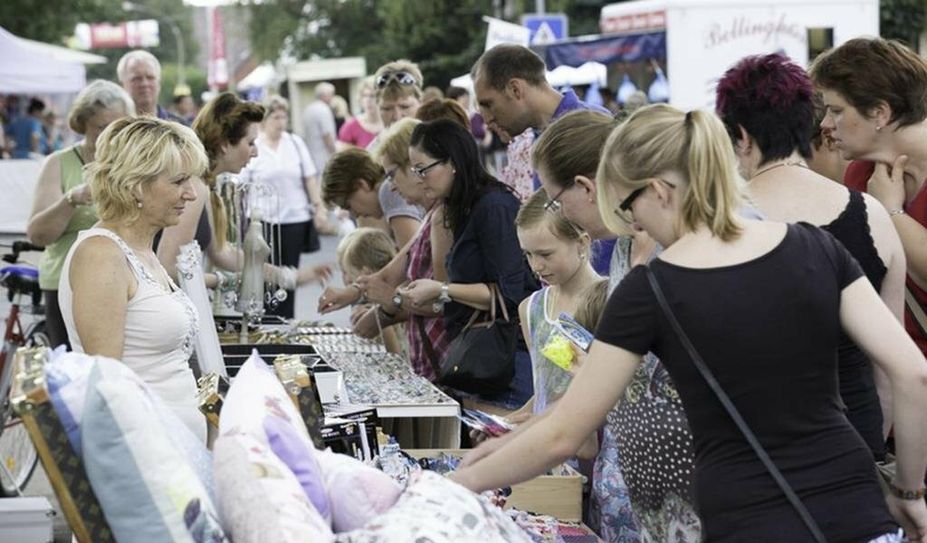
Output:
x=203 y=234
x=857 y=386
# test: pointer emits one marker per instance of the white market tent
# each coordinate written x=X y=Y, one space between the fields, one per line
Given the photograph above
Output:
x=31 y=67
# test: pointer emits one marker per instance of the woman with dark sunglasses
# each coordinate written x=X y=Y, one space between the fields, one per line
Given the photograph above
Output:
x=763 y=303
x=480 y=212
x=642 y=476
x=399 y=92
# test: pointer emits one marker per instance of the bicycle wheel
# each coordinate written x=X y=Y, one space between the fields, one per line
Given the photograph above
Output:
x=36 y=336
x=18 y=456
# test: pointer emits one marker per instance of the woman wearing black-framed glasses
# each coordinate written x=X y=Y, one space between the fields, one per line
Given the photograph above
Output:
x=480 y=212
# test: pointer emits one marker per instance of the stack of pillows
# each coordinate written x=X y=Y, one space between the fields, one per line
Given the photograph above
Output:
x=264 y=482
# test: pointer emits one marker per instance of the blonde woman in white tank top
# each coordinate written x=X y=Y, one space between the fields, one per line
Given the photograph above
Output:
x=116 y=298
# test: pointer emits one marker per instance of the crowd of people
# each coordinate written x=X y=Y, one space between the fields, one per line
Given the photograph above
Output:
x=753 y=276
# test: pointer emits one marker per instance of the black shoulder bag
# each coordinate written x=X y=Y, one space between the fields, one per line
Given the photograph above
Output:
x=481 y=359
x=734 y=414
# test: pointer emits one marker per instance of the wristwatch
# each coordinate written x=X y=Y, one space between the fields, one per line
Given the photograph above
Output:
x=397 y=300
x=445 y=295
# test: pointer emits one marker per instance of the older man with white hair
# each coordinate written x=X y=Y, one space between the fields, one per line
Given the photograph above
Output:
x=139 y=73
x=319 y=126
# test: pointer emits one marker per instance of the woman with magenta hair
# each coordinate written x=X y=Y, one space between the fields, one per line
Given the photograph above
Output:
x=766 y=104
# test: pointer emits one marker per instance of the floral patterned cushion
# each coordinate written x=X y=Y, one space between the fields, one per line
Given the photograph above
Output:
x=260 y=499
x=436 y=510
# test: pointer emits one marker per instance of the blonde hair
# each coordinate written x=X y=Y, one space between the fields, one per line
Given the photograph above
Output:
x=572 y=146
x=96 y=97
x=534 y=213
x=275 y=102
x=365 y=248
x=134 y=151
x=339 y=107
x=393 y=90
x=395 y=141
x=661 y=138
x=591 y=305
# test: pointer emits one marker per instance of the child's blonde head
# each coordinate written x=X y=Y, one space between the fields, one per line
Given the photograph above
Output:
x=364 y=251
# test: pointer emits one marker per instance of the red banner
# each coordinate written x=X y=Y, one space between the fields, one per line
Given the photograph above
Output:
x=218 y=73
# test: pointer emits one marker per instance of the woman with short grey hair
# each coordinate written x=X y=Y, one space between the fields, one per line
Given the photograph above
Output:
x=61 y=205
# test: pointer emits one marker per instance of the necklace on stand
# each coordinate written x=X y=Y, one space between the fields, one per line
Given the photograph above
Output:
x=800 y=163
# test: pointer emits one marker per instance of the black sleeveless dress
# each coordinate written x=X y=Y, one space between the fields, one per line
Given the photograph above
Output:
x=857 y=386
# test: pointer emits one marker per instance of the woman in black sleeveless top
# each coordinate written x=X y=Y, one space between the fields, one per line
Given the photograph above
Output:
x=766 y=103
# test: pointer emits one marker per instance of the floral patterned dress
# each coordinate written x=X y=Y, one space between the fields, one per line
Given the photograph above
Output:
x=645 y=457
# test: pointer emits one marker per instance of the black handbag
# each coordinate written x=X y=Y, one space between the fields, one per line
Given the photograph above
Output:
x=481 y=359
x=722 y=396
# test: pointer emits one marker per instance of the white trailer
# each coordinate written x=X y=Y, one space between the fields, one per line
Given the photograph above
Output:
x=705 y=37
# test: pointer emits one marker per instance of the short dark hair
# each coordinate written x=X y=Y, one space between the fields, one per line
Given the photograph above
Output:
x=445 y=139
x=866 y=71
x=35 y=106
x=507 y=61
x=771 y=97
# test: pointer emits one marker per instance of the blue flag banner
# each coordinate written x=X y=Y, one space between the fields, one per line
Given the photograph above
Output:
x=604 y=49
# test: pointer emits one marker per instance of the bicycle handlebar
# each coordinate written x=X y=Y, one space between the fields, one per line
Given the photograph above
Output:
x=20 y=246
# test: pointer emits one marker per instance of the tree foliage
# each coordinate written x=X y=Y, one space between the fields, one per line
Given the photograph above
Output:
x=445 y=37
x=902 y=20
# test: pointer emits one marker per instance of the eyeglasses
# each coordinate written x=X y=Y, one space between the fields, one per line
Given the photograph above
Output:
x=403 y=78
x=554 y=204
x=624 y=208
x=423 y=171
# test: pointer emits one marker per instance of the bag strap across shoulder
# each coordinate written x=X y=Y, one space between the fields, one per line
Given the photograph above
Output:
x=732 y=411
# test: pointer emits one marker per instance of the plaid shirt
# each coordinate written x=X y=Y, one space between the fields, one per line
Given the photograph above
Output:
x=420 y=267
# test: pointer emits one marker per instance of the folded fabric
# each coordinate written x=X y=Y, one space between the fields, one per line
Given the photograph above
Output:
x=437 y=510
x=357 y=492
x=142 y=478
x=260 y=499
x=258 y=405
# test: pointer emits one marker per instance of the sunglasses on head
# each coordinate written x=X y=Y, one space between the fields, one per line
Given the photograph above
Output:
x=403 y=78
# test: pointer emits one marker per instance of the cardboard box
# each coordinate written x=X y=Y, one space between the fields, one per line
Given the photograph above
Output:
x=560 y=496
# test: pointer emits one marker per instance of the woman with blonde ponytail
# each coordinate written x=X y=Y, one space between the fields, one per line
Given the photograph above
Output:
x=763 y=304
x=227 y=127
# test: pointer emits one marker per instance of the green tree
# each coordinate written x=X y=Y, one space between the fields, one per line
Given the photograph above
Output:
x=316 y=29
x=52 y=21
x=445 y=37
x=902 y=20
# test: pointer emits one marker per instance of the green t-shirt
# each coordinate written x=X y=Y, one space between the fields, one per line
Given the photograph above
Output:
x=84 y=217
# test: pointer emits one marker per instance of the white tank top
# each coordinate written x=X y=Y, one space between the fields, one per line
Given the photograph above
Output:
x=160 y=329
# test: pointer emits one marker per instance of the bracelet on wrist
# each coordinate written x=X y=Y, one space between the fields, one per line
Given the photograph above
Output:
x=904 y=494
x=69 y=198
x=445 y=295
x=893 y=212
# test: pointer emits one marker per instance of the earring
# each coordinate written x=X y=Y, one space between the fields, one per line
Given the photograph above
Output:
x=582 y=256
x=139 y=204
x=878 y=128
